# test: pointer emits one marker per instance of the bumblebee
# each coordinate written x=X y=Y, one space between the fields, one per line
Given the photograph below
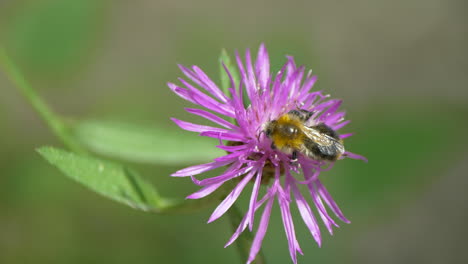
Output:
x=290 y=134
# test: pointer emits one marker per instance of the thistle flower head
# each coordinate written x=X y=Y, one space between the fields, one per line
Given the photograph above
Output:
x=257 y=99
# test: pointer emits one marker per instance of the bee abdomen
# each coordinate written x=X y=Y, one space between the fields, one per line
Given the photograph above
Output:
x=324 y=129
x=320 y=152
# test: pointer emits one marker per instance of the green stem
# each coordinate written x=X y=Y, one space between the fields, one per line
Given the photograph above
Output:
x=244 y=241
x=52 y=120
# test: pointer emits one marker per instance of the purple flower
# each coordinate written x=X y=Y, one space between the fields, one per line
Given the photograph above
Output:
x=250 y=157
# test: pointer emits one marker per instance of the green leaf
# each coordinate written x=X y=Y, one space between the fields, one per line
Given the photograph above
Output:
x=122 y=184
x=225 y=81
x=145 y=144
x=109 y=179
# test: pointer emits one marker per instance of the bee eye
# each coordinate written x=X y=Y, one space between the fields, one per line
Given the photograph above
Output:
x=291 y=131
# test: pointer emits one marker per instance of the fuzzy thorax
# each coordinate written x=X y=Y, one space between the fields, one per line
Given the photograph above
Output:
x=286 y=133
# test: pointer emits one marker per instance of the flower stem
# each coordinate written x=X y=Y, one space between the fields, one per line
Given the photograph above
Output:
x=53 y=121
x=244 y=241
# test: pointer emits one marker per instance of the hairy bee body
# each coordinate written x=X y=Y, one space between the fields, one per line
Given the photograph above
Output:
x=290 y=135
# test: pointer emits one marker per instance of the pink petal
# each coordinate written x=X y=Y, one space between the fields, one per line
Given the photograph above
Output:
x=355 y=156
x=207 y=101
x=261 y=231
x=243 y=224
x=330 y=202
x=307 y=215
x=202 y=80
x=209 y=85
x=205 y=191
x=343 y=136
x=327 y=220
x=308 y=84
x=227 y=175
x=253 y=199
x=197 y=169
x=290 y=67
x=321 y=106
x=196 y=97
x=251 y=81
x=341 y=125
x=212 y=117
x=335 y=118
x=195 y=127
x=230 y=156
x=181 y=92
x=231 y=198
x=223 y=135
x=332 y=109
x=289 y=228
x=262 y=66
x=233 y=148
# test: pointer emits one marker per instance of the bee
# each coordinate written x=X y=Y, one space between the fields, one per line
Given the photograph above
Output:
x=290 y=134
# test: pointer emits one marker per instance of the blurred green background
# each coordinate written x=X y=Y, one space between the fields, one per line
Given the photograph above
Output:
x=400 y=66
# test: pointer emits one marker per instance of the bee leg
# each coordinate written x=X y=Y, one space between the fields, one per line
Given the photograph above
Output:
x=294 y=156
x=308 y=115
x=302 y=114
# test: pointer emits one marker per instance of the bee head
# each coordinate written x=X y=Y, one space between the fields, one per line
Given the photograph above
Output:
x=271 y=126
x=289 y=130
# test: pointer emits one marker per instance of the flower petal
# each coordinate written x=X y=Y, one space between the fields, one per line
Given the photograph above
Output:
x=207 y=101
x=262 y=66
x=209 y=85
x=253 y=198
x=307 y=215
x=343 y=136
x=308 y=84
x=242 y=226
x=261 y=231
x=335 y=118
x=341 y=125
x=197 y=169
x=327 y=113
x=327 y=220
x=233 y=148
x=231 y=136
x=355 y=156
x=289 y=227
x=196 y=97
x=330 y=202
x=205 y=191
x=195 y=127
x=227 y=175
x=245 y=220
x=202 y=80
x=231 y=198
x=251 y=82
x=212 y=117
x=181 y=92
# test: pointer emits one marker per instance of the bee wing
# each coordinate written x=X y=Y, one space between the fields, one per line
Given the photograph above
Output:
x=324 y=142
x=318 y=137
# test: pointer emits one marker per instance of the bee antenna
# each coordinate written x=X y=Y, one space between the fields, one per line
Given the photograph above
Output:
x=262 y=131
